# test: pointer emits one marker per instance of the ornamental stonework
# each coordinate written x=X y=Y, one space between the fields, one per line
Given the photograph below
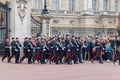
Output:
x=22 y=6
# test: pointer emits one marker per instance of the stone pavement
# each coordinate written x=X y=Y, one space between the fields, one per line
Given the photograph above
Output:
x=86 y=71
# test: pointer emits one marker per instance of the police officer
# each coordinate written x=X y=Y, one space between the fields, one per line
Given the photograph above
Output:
x=7 y=49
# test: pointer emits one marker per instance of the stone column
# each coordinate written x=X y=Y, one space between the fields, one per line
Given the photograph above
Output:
x=21 y=19
x=45 y=28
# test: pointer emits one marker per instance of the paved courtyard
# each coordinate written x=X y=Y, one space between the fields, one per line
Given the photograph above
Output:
x=86 y=71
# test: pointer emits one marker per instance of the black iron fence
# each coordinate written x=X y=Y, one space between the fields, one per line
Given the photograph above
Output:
x=3 y=25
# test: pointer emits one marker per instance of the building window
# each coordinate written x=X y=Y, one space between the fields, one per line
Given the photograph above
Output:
x=105 y=4
x=71 y=5
x=55 y=4
x=116 y=5
x=55 y=21
x=94 y=5
x=37 y=4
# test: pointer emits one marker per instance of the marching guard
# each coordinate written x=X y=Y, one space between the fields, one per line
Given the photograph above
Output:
x=7 y=50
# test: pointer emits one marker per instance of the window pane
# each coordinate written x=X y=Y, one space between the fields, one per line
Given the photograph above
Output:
x=37 y=4
x=94 y=5
x=71 y=5
x=55 y=4
x=105 y=4
x=116 y=5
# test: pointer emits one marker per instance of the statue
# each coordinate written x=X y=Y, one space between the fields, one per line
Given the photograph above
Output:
x=118 y=28
x=22 y=9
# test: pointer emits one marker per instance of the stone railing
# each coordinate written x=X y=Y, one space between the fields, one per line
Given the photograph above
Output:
x=76 y=12
x=56 y=11
x=108 y=13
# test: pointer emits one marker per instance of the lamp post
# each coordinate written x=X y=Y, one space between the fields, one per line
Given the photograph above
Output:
x=46 y=19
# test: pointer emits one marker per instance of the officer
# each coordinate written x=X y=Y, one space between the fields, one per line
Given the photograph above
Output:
x=15 y=51
x=98 y=48
x=68 y=49
x=44 y=49
x=117 y=50
x=18 y=47
x=27 y=50
x=118 y=55
x=51 y=47
x=57 y=50
x=78 y=49
x=39 y=50
x=36 y=54
x=61 y=49
x=74 y=49
x=30 y=53
x=7 y=50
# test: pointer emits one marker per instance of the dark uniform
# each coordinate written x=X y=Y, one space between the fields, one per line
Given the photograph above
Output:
x=57 y=51
x=7 y=50
x=75 y=51
x=78 y=50
x=68 y=44
x=98 y=47
x=44 y=51
x=30 y=53
x=18 y=48
x=117 y=52
x=51 y=50
x=39 y=49
x=27 y=51
x=15 y=51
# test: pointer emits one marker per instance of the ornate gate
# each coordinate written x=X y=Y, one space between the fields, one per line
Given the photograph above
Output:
x=3 y=25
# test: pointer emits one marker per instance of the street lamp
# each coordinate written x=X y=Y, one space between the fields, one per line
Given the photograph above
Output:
x=46 y=16
x=45 y=12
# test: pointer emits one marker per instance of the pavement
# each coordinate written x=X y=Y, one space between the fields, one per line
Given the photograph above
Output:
x=86 y=71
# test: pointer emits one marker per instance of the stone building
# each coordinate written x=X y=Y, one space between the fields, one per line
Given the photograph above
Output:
x=75 y=17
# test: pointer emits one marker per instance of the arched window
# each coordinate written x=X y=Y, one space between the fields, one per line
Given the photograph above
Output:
x=38 y=4
x=94 y=5
x=116 y=5
x=55 y=4
x=71 y=5
x=105 y=5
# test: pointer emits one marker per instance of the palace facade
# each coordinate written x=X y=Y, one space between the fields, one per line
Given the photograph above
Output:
x=75 y=17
